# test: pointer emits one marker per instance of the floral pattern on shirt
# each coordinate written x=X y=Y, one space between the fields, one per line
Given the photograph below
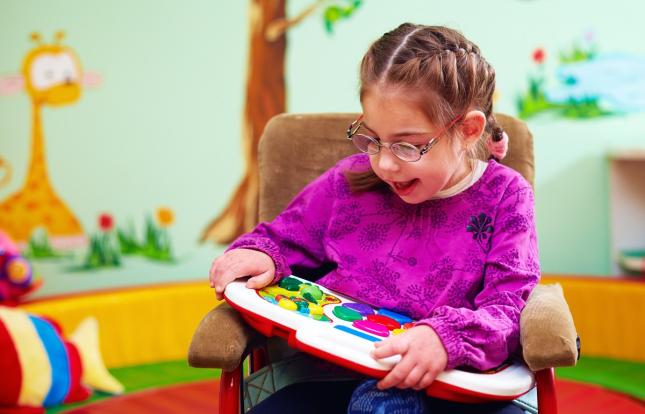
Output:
x=463 y=264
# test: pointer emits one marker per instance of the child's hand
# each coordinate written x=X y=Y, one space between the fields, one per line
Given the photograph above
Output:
x=238 y=263
x=423 y=357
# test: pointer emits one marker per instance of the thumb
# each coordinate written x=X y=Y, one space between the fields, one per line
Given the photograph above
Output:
x=261 y=280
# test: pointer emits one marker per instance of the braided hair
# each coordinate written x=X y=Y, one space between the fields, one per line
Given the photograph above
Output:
x=447 y=72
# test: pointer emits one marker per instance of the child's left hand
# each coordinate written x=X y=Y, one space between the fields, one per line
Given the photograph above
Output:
x=423 y=357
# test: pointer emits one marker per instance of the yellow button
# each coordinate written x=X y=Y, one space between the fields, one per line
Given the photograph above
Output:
x=315 y=309
x=288 y=304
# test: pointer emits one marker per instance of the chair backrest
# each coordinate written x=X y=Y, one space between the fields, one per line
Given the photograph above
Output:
x=297 y=148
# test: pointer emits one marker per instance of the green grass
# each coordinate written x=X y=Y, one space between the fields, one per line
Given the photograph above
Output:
x=622 y=376
x=38 y=246
x=141 y=377
x=156 y=244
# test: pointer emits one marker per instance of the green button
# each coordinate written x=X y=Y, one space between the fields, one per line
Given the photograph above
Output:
x=312 y=293
x=347 y=314
x=290 y=283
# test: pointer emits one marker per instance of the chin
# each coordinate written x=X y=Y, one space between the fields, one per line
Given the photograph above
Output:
x=412 y=199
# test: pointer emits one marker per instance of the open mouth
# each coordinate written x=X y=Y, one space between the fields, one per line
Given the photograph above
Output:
x=404 y=187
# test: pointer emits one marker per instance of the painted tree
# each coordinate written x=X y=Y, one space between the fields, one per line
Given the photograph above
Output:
x=265 y=98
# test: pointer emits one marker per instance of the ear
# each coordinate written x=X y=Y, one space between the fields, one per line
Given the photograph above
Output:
x=11 y=84
x=92 y=79
x=472 y=127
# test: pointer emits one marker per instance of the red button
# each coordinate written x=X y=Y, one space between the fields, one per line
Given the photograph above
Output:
x=385 y=321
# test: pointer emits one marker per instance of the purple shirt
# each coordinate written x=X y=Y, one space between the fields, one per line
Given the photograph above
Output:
x=463 y=265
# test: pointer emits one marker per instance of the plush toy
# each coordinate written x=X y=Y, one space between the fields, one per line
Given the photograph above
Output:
x=16 y=277
x=41 y=369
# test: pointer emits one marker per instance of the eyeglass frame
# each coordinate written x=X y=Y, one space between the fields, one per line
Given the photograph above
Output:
x=355 y=126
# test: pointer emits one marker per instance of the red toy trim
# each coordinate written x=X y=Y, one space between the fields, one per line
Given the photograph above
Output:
x=268 y=327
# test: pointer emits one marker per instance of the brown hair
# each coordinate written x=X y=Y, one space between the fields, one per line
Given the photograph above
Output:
x=441 y=68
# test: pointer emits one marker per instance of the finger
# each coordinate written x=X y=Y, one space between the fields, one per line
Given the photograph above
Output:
x=260 y=281
x=389 y=347
x=211 y=272
x=425 y=381
x=224 y=277
x=413 y=378
x=398 y=374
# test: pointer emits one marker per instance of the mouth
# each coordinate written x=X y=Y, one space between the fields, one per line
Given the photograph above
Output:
x=404 y=187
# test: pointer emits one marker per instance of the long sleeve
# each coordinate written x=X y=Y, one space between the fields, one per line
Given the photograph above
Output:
x=295 y=237
x=483 y=337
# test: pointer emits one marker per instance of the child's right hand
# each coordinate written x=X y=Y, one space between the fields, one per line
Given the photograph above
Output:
x=238 y=263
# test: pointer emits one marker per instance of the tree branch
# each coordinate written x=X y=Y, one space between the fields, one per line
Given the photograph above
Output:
x=279 y=27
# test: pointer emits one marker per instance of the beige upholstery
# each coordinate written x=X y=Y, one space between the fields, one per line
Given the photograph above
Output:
x=295 y=149
x=547 y=333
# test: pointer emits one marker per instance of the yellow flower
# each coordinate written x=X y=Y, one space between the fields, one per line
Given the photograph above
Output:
x=165 y=216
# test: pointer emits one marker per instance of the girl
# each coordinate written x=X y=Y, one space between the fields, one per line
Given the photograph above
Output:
x=415 y=223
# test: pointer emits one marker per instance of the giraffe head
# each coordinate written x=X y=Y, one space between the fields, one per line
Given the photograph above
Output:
x=52 y=72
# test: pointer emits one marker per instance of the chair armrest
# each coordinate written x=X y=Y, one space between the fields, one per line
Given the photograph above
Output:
x=547 y=333
x=221 y=340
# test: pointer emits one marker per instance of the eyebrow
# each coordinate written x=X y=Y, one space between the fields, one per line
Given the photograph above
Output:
x=398 y=134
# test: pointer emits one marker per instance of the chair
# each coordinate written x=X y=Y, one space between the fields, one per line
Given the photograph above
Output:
x=287 y=162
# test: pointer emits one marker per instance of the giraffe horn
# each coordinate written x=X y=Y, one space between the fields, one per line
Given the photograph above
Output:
x=59 y=36
x=36 y=38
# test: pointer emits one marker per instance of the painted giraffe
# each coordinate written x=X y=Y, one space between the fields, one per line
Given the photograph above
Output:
x=51 y=75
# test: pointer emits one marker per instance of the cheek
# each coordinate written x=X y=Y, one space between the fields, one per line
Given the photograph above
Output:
x=374 y=162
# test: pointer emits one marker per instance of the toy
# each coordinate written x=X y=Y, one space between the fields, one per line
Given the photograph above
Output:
x=42 y=369
x=341 y=330
x=16 y=277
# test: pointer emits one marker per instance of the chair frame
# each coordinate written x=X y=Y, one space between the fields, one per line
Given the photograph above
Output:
x=231 y=382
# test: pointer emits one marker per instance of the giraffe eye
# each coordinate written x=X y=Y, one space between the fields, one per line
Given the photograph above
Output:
x=48 y=70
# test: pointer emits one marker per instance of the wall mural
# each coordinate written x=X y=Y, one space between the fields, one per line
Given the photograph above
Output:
x=585 y=83
x=52 y=76
x=265 y=98
x=36 y=218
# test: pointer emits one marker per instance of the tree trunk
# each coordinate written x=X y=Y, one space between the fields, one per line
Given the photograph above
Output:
x=265 y=97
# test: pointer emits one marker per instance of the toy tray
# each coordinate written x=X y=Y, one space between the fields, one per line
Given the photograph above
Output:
x=342 y=330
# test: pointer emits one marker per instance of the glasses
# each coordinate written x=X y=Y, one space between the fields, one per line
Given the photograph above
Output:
x=402 y=150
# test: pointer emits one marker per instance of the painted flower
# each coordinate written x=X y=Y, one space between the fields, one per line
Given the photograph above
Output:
x=106 y=222
x=480 y=225
x=165 y=216
x=539 y=55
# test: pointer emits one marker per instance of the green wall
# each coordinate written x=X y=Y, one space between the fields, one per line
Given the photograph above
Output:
x=164 y=127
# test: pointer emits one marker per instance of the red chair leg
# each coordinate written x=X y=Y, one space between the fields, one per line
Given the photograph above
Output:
x=230 y=384
x=547 y=401
x=259 y=359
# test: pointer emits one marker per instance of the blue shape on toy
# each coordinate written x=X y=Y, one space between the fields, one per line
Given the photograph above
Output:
x=402 y=319
x=357 y=333
x=361 y=308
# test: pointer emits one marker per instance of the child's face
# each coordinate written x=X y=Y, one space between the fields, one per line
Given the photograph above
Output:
x=391 y=117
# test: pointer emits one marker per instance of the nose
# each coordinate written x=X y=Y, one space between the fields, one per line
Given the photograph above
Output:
x=388 y=161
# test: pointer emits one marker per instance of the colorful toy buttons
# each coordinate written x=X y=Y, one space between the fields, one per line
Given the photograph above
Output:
x=303 y=297
x=308 y=300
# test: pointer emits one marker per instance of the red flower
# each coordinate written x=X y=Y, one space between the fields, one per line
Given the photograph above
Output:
x=539 y=55
x=106 y=222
